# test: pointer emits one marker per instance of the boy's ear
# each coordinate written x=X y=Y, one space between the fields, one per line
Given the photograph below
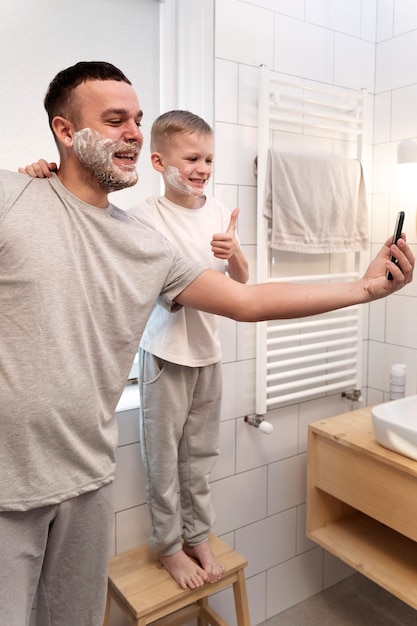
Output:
x=63 y=130
x=157 y=162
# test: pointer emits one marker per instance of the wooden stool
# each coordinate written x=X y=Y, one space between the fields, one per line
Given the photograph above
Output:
x=146 y=592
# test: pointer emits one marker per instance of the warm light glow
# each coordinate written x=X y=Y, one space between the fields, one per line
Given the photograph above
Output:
x=407 y=178
x=407 y=168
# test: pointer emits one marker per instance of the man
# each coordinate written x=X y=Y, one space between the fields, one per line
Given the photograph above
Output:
x=78 y=280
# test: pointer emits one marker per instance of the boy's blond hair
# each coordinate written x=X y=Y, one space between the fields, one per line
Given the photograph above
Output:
x=177 y=122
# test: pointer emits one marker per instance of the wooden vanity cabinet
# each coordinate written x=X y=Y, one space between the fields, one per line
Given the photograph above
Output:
x=362 y=502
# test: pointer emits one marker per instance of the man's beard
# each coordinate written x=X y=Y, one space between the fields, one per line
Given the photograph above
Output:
x=95 y=153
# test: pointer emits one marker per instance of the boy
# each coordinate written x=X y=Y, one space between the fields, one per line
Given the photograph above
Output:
x=180 y=354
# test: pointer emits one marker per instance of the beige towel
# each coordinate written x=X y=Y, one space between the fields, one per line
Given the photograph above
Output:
x=317 y=203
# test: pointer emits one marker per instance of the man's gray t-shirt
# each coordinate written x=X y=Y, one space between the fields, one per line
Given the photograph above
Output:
x=77 y=285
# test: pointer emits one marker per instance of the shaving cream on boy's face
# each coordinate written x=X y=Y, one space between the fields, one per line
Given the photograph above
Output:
x=176 y=181
x=96 y=154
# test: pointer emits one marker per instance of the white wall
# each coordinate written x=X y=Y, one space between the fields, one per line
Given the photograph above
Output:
x=393 y=323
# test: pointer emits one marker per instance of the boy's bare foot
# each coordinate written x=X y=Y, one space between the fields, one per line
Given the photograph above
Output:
x=210 y=564
x=184 y=570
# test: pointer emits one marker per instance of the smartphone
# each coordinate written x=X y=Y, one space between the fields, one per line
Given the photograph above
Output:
x=397 y=234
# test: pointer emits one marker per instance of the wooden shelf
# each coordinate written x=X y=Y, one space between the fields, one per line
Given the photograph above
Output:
x=380 y=553
x=361 y=502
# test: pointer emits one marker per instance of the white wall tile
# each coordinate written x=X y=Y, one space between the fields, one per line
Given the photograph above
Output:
x=385 y=162
x=223 y=602
x=245 y=44
x=133 y=528
x=377 y=320
x=226 y=463
x=338 y=15
x=246 y=335
x=379 y=218
x=239 y=500
x=378 y=377
x=381 y=357
x=257 y=598
x=227 y=194
x=405 y=16
x=404 y=118
x=226 y=85
x=294 y=581
x=354 y=63
x=319 y=409
x=228 y=339
x=401 y=322
x=368 y=20
x=394 y=66
x=247 y=216
x=129 y=484
x=375 y=397
x=286 y=484
x=248 y=94
x=295 y=8
x=303 y=543
x=255 y=448
x=128 y=423
x=229 y=538
x=250 y=254
x=268 y=542
x=382 y=118
x=238 y=389
x=384 y=19
x=235 y=154
x=313 y=58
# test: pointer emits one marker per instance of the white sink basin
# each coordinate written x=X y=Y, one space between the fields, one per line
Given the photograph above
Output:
x=395 y=425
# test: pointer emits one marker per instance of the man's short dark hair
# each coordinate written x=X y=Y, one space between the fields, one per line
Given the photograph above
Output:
x=58 y=97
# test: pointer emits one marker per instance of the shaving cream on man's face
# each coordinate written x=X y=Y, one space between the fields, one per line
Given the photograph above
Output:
x=97 y=153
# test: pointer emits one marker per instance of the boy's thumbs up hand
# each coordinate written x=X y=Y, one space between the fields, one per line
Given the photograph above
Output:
x=233 y=222
x=225 y=245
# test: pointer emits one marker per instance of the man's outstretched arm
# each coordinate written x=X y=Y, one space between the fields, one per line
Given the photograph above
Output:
x=214 y=293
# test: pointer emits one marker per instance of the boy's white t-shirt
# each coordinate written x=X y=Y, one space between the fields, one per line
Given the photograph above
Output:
x=187 y=337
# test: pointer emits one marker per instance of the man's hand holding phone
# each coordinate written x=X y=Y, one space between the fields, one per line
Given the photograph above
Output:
x=397 y=234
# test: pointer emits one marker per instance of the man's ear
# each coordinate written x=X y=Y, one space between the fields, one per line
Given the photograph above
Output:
x=157 y=162
x=63 y=130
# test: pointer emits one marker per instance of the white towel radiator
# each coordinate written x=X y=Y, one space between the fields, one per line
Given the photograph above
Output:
x=307 y=357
